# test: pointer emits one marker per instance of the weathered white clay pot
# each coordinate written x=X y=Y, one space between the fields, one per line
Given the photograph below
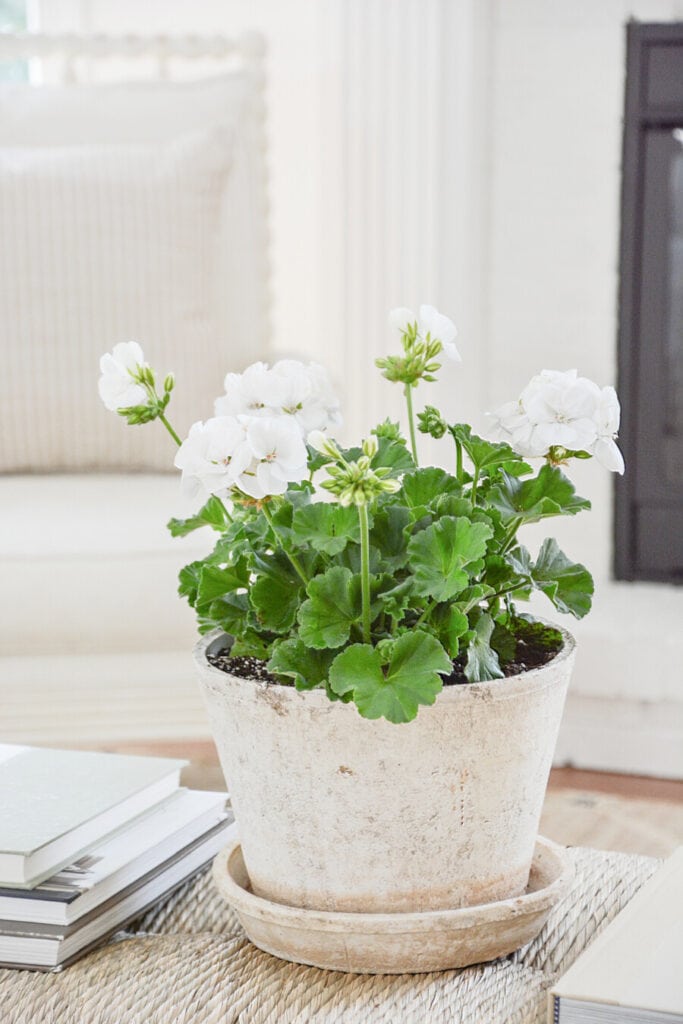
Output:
x=339 y=813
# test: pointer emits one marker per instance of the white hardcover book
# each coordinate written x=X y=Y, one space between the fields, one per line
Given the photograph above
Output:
x=54 y=804
x=41 y=946
x=118 y=861
x=633 y=972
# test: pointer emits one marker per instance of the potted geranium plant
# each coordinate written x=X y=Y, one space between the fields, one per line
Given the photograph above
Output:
x=384 y=712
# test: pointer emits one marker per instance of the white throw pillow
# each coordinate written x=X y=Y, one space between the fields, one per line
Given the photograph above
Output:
x=101 y=244
x=115 y=225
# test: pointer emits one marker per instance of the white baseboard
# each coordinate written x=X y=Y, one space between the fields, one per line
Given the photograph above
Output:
x=621 y=735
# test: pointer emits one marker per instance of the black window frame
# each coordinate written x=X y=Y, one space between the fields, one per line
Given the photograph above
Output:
x=645 y=43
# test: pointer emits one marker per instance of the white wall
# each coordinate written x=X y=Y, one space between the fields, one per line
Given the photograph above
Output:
x=467 y=153
x=557 y=100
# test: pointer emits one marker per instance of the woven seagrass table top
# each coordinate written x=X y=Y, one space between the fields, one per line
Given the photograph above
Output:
x=188 y=962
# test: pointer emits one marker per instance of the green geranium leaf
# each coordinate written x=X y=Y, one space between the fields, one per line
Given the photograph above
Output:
x=228 y=613
x=213 y=514
x=395 y=601
x=307 y=667
x=488 y=456
x=393 y=691
x=326 y=527
x=548 y=494
x=449 y=624
x=388 y=537
x=440 y=554
x=472 y=596
x=423 y=486
x=452 y=505
x=215 y=582
x=333 y=606
x=188 y=581
x=482 y=661
x=503 y=643
x=276 y=595
x=250 y=644
x=392 y=454
x=568 y=584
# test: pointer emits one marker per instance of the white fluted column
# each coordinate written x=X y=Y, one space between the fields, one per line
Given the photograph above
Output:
x=401 y=183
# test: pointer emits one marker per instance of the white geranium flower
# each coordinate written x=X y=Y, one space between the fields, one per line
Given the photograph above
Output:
x=214 y=455
x=309 y=396
x=290 y=388
x=117 y=388
x=561 y=409
x=252 y=393
x=607 y=416
x=278 y=453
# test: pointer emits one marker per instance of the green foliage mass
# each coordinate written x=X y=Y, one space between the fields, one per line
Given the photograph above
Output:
x=374 y=603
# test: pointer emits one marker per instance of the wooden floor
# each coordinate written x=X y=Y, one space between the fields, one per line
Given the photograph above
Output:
x=631 y=813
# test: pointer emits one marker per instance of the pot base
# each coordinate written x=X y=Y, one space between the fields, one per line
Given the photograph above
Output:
x=401 y=943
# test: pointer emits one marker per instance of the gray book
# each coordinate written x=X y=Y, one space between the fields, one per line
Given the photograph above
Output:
x=54 y=804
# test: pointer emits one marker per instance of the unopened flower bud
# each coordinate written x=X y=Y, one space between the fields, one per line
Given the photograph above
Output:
x=169 y=382
x=319 y=441
x=370 y=447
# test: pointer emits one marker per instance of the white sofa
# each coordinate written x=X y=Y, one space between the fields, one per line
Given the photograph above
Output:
x=130 y=210
x=95 y=644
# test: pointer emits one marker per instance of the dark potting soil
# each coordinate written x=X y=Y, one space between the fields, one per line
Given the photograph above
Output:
x=528 y=655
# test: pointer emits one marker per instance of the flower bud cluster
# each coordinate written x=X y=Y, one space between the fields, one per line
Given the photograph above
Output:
x=424 y=338
x=357 y=483
x=430 y=421
x=389 y=430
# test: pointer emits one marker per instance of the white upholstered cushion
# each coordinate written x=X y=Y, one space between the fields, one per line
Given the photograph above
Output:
x=87 y=565
x=117 y=225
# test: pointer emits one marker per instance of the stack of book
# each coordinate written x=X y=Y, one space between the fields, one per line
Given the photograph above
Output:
x=88 y=842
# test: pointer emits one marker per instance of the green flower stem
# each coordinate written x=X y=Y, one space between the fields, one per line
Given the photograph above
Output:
x=152 y=392
x=458 y=459
x=296 y=564
x=365 y=570
x=510 y=535
x=408 y=391
x=170 y=429
x=426 y=612
x=475 y=484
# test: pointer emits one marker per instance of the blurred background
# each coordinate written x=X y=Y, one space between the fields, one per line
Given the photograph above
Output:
x=226 y=181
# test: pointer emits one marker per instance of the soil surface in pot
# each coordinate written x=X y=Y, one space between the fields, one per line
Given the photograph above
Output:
x=529 y=653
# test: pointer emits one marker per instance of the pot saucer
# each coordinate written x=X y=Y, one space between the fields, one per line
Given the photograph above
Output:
x=400 y=943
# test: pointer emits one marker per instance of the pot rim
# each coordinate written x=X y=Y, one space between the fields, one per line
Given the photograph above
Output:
x=507 y=688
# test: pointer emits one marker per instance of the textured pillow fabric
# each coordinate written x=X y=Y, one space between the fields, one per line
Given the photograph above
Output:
x=116 y=226
x=145 y=112
x=101 y=244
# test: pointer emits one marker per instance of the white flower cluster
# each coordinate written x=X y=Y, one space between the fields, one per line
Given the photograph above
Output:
x=429 y=322
x=117 y=387
x=259 y=455
x=559 y=409
x=295 y=389
x=255 y=442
